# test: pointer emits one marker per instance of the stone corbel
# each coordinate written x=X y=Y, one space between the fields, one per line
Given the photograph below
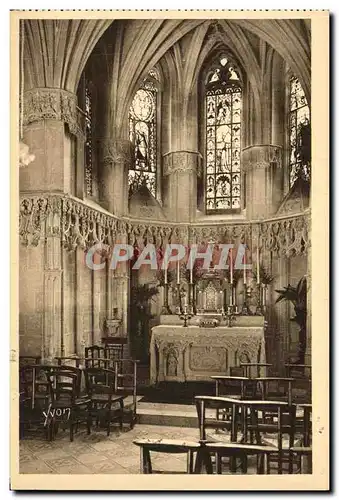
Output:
x=118 y=151
x=54 y=104
x=261 y=156
x=182 y=161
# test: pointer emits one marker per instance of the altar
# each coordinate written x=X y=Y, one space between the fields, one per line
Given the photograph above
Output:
x=195 y=353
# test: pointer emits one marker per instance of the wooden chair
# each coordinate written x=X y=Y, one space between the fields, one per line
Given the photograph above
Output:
x=66 y=408
x=267 y=422
x=233 y=446
x=114 y=351
x=275 y=388
x=233 y=386
x=302 y=391
x=165 y=446
x=242 y=451
x=100 y=385
x=126 y=385
x=303 y=450
x=95 y=357
x=225 y=429
x=34 y=398
x=256 y=367
x=72 y=368
x=68 y=360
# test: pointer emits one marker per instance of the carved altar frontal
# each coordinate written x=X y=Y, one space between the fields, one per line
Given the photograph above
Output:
x=195 y=353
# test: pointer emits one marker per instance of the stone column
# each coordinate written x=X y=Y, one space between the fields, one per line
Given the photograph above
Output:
x=182 y=168
x=264 y=180
x=46 y=111
x=117 y=296
x=52 y=338
x=115 y=160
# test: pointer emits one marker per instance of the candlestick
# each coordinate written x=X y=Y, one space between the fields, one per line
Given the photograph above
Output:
x=165 y=273
x=258 y=264
x=191 y=268
x=245 y=282
x=231 y=266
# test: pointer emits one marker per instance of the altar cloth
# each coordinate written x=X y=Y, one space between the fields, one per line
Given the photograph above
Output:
x=196 y=353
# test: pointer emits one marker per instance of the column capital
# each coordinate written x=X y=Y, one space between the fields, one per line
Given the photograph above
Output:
x=54 y=104
x=182 y=161
x=261 y=156
x=116 y=151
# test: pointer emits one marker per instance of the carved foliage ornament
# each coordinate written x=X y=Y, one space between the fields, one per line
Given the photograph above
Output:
x=81 y=226
x=120 y=151
x=53 y=104
x=261 y=157
x=182 y=161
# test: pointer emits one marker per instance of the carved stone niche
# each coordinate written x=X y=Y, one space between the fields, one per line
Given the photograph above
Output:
x=209 y=298
x=112 y=333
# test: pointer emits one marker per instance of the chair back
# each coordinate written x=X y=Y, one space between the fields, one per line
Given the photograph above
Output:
x=230 y=409
x=114 y=351
x=275 y=388
x=95 y=357
x=64 y=385
x=99 y=381
x=34 y=384
x=269 y=418
x=303 y=386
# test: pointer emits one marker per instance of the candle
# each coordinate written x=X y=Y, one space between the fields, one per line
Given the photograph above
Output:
x=165 y=262
x=245 y=267
x=185 y=301
x=231 y=266
x=178 y=273
x=258 y=265
x=191 y=268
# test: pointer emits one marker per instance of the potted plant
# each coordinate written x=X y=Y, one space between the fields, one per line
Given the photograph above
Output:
x=297 y=295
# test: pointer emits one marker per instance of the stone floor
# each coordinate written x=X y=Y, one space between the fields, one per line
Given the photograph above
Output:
x=99 y=454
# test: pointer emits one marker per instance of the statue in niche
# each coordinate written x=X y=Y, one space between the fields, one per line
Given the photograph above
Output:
x=171 y=364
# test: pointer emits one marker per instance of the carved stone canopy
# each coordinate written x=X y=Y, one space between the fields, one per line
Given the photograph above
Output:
x=80 y=225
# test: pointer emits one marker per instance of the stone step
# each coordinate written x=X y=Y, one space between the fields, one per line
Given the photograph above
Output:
x=168 y=414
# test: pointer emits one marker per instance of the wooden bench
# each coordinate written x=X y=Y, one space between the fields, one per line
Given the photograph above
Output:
x=165 y=446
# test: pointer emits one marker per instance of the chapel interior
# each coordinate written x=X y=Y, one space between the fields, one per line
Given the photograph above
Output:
x=145 y=133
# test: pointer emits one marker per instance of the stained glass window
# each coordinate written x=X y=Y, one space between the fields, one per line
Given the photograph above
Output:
x=143 y=135
x=223 y=101
x=299 y=132
x=88 y=143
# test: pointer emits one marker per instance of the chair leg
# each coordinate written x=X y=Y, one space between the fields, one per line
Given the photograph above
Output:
x=121 y=419
x=190 y=462
x=198 y=462
x=146 y=465
x=280 y=462
x=218 y=463
x=71 y=430
x=108 y=422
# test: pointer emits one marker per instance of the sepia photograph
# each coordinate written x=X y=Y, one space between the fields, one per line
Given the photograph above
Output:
x=170 y=171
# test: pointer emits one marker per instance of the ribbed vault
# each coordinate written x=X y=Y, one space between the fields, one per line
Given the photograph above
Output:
x=56 y=52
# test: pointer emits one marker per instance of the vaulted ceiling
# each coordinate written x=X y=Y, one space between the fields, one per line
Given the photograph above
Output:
x=56 y=51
